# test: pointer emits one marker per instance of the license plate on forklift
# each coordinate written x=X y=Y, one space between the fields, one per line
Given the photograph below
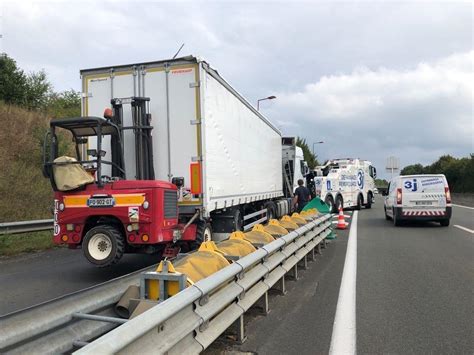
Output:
x=101 y=202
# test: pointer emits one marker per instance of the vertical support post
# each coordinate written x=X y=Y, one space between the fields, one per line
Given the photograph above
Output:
x=280 y=286
x=294 y=272
x=265 y=304
x=241 y=337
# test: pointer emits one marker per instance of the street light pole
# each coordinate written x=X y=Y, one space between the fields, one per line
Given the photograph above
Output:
x=316 y=143
x=266 y=98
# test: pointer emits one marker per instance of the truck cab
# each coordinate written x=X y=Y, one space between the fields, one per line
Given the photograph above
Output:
x=346 y=183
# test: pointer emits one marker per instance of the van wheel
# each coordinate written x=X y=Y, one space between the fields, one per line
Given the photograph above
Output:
x=330 y=202
x=103 y=245
x=396 y=221
x=368 y=205
x=359 y=202
x=444 y=222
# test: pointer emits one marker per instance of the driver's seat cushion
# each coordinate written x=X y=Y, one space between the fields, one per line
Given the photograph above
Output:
x=70 y=176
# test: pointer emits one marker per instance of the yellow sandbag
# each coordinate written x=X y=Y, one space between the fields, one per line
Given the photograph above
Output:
x=236 y=247
x=295 y=217
x=287 y=223
x=275 y=229
x=70 y=176
x=255 y=237
x=195 y=266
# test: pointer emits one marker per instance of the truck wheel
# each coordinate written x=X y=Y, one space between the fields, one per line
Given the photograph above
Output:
x=359 y=202
x=103 y=245
x=444 y=222
x=238 y=221
x=368 y=205
x=339 y=203
x=203 y=234
x=271 y=210
x=387 y=217
x=330 y=202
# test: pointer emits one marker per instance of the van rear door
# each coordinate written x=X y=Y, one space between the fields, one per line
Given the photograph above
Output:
x=423 y=195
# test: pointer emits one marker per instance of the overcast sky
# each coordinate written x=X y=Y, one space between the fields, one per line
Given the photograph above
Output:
x=370 y=79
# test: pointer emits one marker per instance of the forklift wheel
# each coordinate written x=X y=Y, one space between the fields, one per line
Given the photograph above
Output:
x=103 y=245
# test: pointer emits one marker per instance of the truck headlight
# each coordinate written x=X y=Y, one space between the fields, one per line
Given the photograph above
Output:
x=146 y=204
x=61 y=206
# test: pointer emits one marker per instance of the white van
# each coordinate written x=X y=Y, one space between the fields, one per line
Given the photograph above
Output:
x=418 y=197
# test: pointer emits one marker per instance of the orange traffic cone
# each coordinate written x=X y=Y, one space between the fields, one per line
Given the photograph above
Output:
x=341 y=223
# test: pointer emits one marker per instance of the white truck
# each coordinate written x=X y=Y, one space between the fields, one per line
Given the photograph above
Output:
x=346 y=183
x=171 y=125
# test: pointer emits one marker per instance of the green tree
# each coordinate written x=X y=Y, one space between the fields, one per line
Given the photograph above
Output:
x=309 y=157
x=13 y=82
x=412 y=169
x=64 y=104
x=381 y=183
x=16 y=88
x=38 y=90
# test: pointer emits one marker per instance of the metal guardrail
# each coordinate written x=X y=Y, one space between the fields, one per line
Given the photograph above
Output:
x=50 y=328
x=26 y=226
x=192 y=319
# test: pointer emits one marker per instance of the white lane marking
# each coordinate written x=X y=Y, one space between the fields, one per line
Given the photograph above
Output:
x=343 y=340
x=464 y=228
x=469 y=208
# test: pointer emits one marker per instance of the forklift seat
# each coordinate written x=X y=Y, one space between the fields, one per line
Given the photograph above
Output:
x=70 y=176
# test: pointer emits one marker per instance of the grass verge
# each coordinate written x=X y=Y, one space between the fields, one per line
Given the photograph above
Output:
x=13 y=244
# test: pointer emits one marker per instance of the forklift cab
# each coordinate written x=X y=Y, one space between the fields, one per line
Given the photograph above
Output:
x=67 y=173
x=63 y=171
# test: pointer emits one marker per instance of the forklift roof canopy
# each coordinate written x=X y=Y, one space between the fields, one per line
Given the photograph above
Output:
x=85 y=126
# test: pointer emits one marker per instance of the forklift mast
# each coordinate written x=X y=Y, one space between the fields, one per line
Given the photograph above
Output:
x=141 y=126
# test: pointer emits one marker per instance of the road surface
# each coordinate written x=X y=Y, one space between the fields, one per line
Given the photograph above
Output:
x=35 y=278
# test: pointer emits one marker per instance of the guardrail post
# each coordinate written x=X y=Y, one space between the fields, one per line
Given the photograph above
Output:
x=304 y=262
x=313 y=255
x=280 y=286
x=294 y=272
x=240 y=326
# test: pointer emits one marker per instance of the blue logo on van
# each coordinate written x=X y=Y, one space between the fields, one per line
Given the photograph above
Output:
x=360 y=179
x=411 y=185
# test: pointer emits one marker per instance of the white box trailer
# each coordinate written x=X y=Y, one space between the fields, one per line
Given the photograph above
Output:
x=203 y=131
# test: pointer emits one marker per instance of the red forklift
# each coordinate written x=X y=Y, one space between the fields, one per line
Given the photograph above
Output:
x=109 y=215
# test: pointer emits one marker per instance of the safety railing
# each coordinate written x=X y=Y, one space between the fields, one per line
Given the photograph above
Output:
x=192 y=319
x=26 y=226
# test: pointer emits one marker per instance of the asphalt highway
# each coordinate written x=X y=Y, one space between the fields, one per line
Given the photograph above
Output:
x=414 y=293
x=31 y=279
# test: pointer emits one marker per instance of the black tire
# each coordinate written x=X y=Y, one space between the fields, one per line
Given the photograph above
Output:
x=387 y=217
x=330 y=202
x=396 y=221
x=444 y=222
x=203 y=234
x=271 y=210
x=339 y=203
x=359 y=202
x=103 y=245
x=368 y=205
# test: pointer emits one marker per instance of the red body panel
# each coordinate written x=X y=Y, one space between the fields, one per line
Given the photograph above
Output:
x=128 y=197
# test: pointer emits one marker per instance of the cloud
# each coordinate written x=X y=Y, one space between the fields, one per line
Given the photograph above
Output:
x=416 y=114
